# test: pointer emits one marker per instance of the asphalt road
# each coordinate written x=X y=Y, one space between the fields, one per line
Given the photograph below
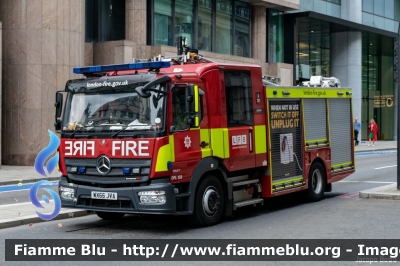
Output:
x=341 y=215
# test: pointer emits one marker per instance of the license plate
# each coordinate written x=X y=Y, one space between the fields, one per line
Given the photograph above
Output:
x=104 y=195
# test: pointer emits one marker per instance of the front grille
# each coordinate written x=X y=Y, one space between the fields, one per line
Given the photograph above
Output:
x=115 y=162
x=112 y=204
x=88 y=181
x=107 y=179
x=115 y=175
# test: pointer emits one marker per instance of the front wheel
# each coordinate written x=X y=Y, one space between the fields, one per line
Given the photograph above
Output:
x=316 y=182
x=110 y=215
x=209 y=202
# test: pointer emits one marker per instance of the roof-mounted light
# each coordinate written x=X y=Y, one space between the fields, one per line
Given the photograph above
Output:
x=120 y=67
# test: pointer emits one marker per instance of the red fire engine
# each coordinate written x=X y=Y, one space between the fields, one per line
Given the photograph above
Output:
x=188 y=136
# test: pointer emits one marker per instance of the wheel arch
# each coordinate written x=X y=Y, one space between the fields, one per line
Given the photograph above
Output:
x=209 y=166
x=319 y=160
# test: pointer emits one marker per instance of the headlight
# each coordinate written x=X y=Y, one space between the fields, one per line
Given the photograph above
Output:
x=67 y=193
x=152 y=197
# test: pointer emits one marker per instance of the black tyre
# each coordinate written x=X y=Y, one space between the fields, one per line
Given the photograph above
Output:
x=110 y=215
x=208 y=203
x=316 y=182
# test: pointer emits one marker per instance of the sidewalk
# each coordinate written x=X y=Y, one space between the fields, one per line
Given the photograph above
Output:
x=25 y=213
x=378 y=146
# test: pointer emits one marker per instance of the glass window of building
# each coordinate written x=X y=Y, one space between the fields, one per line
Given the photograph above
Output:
x=368 y=6
x=242 y=29
x=381 y=14
x=378 y=84
x=104 y=20
x=221 y=26
x=275 y=36
x=397 y=10
x=389 y=9
x=184 y=23
x=312 y=50
x=379 y=7
x=163 y=23
x=205 y=25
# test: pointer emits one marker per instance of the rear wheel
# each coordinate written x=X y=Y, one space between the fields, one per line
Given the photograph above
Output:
x=316 y=182
x=209 y=202
x=110 y=215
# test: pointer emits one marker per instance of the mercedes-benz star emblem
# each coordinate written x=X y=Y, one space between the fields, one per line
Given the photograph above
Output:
x=103 y=165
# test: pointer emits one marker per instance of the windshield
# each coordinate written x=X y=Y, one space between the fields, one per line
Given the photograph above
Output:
x=114 y=110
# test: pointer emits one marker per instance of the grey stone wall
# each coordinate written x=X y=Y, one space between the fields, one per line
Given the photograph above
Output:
x=42 y=41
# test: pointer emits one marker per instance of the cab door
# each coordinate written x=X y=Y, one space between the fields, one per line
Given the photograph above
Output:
x=189 y=143
x=240 y=119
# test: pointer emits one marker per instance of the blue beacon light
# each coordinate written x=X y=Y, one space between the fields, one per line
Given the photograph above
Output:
x=120 y=67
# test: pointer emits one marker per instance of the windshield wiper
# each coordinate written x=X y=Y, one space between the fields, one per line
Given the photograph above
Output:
x=78 y=129
x=119 y=131
x=75 y=131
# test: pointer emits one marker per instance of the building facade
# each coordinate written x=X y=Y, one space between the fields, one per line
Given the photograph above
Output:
x=355 y=41
x=42 y=40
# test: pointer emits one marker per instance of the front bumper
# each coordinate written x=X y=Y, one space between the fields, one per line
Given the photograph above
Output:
x=127 y=201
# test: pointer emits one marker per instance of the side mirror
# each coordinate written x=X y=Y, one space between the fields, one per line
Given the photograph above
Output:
x=57 y=125
x=192 y=105
x=58 y=109
x=142 y=93
x=58 y=104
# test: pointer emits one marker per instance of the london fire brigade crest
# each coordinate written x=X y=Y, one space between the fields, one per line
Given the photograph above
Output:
x=187 y=142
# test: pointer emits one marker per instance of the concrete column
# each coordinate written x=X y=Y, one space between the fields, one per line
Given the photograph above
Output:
x=352 y=10
x=346 y=65
x=1 y=95
x=136 y=26
x=259 y=34
x=396 y=110
x=42 y=41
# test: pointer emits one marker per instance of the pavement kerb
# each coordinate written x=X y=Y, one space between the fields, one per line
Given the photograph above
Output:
x=33 y=219
x=378 y=149
x=25 y=181
x=381 y=192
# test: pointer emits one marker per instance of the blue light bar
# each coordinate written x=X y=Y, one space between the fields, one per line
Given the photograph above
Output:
x=119 y=67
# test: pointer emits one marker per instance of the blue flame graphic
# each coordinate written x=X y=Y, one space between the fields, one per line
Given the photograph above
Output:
x=35 y=200
x=45 y=153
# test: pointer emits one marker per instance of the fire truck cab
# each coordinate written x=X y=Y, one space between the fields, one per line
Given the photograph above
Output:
x=195 y=137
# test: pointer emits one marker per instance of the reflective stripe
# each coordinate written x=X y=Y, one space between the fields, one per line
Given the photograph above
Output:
x=341 y=164
x=164 y=155
x=220 y=142
x=260 y=137
x=196 y=101
x=172 y=143
x=299 y=178
x=316 y=140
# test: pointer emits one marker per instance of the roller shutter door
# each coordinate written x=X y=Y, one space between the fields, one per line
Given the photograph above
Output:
x=340 y=131
x=315 y=121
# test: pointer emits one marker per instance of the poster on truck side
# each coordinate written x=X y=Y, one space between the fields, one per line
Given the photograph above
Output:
x=285 y=130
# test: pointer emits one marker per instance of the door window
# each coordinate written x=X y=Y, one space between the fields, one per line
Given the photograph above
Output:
x=239 y=102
